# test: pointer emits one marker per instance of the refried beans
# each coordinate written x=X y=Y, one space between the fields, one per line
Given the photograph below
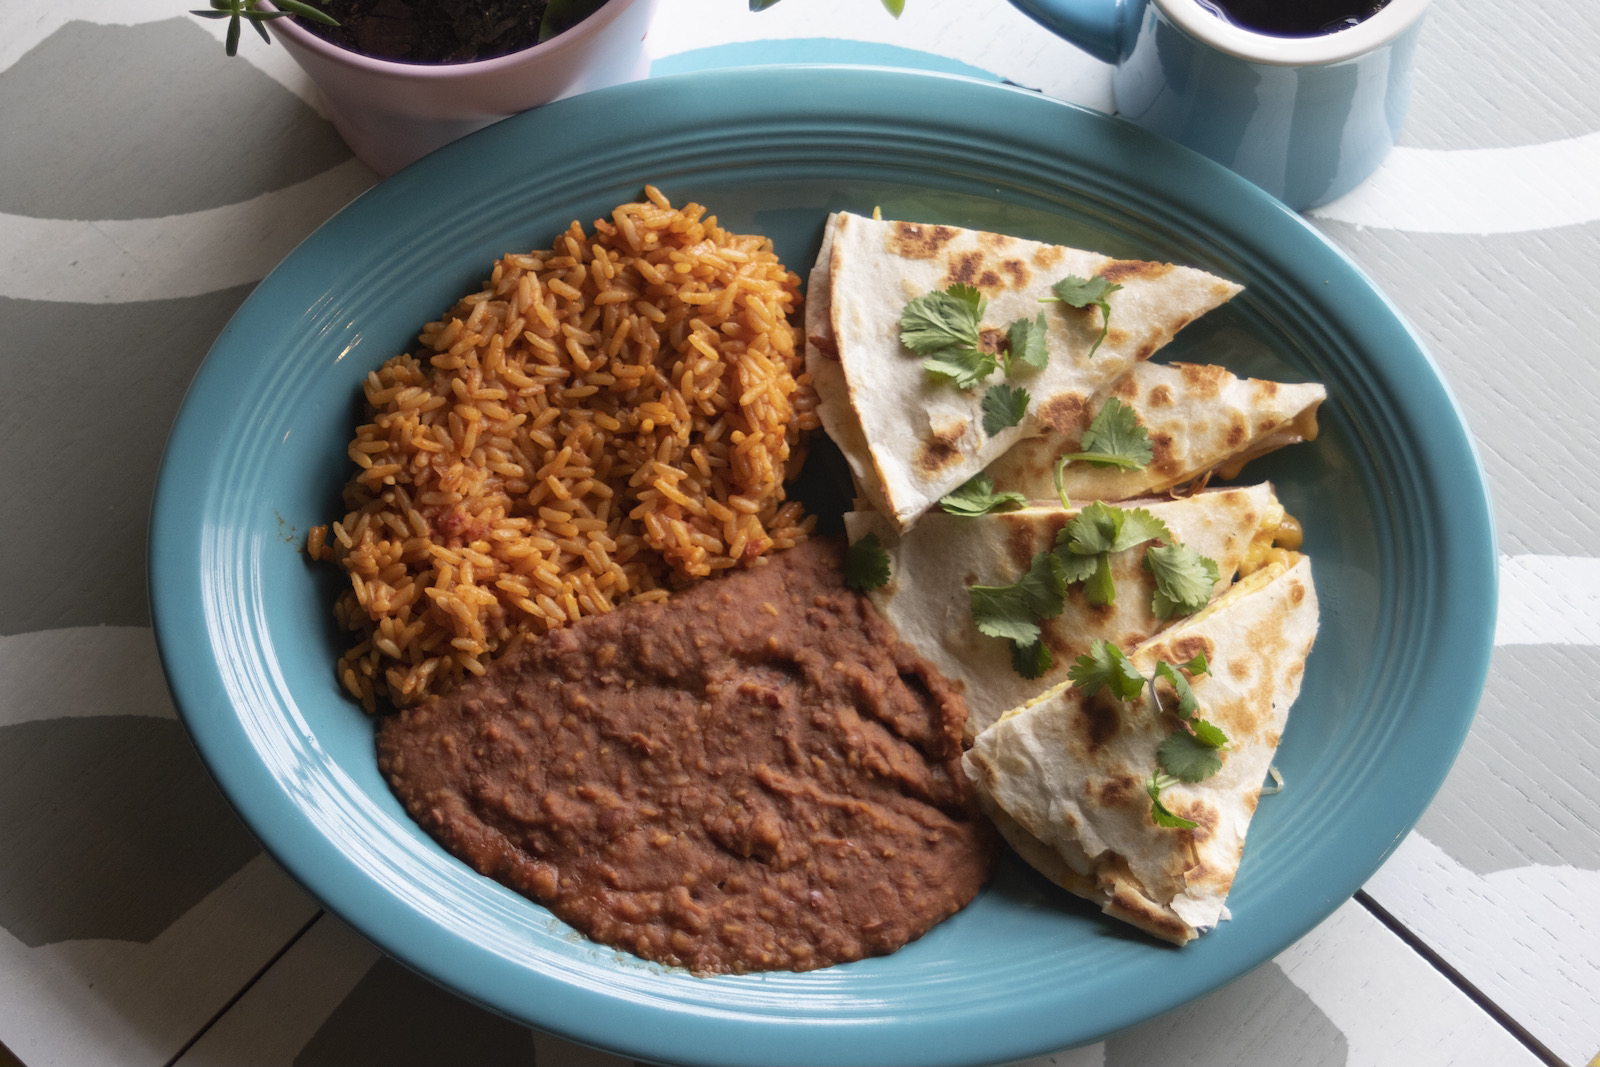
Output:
x=753 y=775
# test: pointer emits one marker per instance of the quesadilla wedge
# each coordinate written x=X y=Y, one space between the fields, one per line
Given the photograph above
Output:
x=1198 y=418
x=911 y=434
x=1072 y=780
x=933 y=566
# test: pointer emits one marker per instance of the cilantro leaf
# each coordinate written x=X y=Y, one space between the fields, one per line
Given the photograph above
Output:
x=1115 y=438
x=1104 y=527
x=1025 y=341
x=945 y=326
x=1077 y=568
x=1096 y=532
x=964 y=367
x=1106 y=665
x=1003 y=406
x=1086 y=292
x=976 y=496
x=1187 y=758
x=866 y=564
x=947 y=318
x=1014 y=611
x=1184 y=579
x=1031 y=660
x=1208 y=734
x=1100 y=588
x=1158 y=811
x=1180 y=685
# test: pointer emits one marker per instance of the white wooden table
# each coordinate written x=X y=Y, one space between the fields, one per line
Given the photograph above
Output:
x=146 y=183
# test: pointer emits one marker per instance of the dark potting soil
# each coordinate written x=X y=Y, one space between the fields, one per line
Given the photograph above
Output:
x=431 y=31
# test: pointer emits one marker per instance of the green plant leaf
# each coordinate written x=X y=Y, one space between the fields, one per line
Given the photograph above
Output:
x=1025 y=343
x=866 y=564
x=1187 y=758
x=1114 y=439
x=976 y=496
x=1014 y=611
x=1004 y=405
x=1159 y=811
x=1184 y=579
x=1086 y=292
x=1106 y=665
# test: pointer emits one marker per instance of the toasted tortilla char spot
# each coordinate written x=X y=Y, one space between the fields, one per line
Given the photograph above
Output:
x=1019 y=272
x=972 y=268
x=1020 y=542
x=913 y=240
x=1065 y=413
x=1120 y=270
x=939 y=450
x=824 y=343
x=1120 y=792
x=1189 y=646
x=1238 y=432
x=1160 y=397
x=1204 y=381
x=1047 y=256
x=1102 y=721
x=1162 y=459
x=1132 y=906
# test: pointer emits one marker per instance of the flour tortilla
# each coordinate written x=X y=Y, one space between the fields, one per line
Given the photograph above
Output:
x=932 y=565
x=910 y=437
x=1064 y=776
x=1200 y=419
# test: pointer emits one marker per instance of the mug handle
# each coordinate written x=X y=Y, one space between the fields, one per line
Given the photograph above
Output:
x=1100 y=27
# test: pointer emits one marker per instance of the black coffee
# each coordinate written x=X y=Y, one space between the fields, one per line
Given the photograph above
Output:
x=1294 y=18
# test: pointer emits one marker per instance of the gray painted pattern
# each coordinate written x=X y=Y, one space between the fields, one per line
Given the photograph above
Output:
x=1261 y=1018
x=1523 y=790
x=1509 y=323
x=1499 y=73
x=110 y=828
x=89 y=480
x=210 y=131
x=161 y=123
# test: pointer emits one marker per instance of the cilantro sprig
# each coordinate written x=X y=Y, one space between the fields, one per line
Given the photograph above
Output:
x=1084 y=293
x=1192 y=752
x=976 y=496
x=1003 y=406
x=1081 y=554
x=946 y=327
x=866 y=564
x=1184 y=579
x=1094 y=535
x=1116 y=438
x=1025 y=344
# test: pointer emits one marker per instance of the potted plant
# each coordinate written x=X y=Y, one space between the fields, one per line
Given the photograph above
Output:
x=401 y=103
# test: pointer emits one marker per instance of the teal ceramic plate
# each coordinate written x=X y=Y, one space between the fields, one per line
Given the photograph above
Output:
x=1392 y=497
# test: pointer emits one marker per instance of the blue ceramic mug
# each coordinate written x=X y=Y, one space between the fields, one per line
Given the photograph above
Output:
x=1305 y=118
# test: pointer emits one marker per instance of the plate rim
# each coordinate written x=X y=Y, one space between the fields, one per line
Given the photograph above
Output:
x=1249 y=211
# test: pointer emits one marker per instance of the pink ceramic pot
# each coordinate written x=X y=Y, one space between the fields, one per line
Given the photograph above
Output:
x=391 y=114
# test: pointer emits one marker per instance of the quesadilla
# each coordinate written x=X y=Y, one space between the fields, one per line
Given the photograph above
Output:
x=1199 y=420
x=911 y=434
x=1072 y=780
x=932 y=567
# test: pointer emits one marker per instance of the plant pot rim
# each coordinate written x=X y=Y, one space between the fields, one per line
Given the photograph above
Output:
x=290 y=28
